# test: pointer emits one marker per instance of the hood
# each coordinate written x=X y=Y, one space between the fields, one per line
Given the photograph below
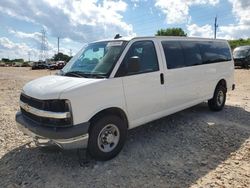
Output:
x=239 y=58
x=51 y=87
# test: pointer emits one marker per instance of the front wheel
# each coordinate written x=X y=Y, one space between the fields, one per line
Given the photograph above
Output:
x=217 y=103
x=107 y=136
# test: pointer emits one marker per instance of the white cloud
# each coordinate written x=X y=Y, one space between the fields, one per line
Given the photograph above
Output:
x=81 y=20
x=241 y=10
x=34 y=36
x=9 y=49
x=234 y=31
x=13 y=50
x=200 y=31
x=241 y=29
x=177 y=11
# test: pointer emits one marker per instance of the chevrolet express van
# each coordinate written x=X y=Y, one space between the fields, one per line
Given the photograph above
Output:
x=112 y=86
x=241 y=56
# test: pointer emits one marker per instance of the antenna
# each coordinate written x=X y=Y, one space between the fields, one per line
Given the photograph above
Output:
x=215 y=27
x=44 y=46
x=117 y=36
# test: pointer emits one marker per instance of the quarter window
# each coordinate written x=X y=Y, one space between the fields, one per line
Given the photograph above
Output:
x=213 y=52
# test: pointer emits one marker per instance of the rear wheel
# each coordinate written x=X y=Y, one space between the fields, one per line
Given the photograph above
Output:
x=217 y=103
x=107 y=136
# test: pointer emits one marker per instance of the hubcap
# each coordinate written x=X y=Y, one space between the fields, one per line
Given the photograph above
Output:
x=220 y=98
x=108 y=138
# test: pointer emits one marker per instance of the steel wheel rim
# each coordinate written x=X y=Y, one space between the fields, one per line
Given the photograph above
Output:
x=108 y=138
x=220 y=98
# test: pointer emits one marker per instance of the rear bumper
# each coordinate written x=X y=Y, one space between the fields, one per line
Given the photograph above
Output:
x=65 y=137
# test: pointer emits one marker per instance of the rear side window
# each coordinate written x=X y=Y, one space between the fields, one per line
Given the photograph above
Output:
x=173 y=54
x=213 y=51
x=190 y=53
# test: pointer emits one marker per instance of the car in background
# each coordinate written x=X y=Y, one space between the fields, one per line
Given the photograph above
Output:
x=241 y=56
x=57 y=65
x=39 y=65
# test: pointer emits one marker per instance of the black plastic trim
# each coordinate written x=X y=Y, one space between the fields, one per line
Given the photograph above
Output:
x=52 y=132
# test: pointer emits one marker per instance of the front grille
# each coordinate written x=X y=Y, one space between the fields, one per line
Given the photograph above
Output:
x=47 y=105
x=39 y=104
x=47 y=121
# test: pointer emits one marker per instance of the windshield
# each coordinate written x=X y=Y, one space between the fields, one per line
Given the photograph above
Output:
x=240 y=53
x=95 y=60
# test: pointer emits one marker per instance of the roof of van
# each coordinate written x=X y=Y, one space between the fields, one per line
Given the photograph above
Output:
x=242 y=48
x=161 y=37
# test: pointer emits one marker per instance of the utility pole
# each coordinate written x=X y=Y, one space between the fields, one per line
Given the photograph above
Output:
x=70 y=52
x=29 y=56
x=215 y=27
x=58 y=44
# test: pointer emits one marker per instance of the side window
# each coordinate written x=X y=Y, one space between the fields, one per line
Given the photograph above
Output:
x=191 y=53
x=213 y=52
x=145 y=52
x=173 y=54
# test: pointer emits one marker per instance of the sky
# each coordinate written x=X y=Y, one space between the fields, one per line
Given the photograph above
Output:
x=78 y=22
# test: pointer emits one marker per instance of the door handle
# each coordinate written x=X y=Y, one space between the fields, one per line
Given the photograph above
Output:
x=162 y=78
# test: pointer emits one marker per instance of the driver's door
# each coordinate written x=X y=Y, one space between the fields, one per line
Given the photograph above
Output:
x=144 y=92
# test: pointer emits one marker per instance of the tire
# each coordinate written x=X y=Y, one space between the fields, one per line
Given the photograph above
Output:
x=245 y=65
x=107 y=136
x=217 y=103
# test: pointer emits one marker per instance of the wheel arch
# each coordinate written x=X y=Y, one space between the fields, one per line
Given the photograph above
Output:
x=222 y=82
x=111 y=111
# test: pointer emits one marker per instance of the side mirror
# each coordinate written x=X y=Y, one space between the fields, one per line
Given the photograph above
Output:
x=96 y=49
x=133 y=64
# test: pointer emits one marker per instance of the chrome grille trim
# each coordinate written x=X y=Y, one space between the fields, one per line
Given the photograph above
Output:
x=42 y=113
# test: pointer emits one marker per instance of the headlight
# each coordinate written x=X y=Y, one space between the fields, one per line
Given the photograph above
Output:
x=57 y=105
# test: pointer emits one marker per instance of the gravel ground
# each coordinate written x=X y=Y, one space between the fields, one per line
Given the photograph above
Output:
x=192 y=148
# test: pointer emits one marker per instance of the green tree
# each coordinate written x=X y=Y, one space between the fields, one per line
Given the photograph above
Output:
x=17 y=60
x=239 y=42
x=61 y=57
x=6 y=60
x=171 y=32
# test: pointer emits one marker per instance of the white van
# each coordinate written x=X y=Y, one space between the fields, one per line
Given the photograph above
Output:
x=114 y=85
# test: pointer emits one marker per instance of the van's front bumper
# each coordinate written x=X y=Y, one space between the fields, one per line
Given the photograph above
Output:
x=65 y=137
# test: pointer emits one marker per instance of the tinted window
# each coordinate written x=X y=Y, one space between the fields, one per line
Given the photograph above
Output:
x=191 y=53
x=213 y=51
x=146 y=53
x=173 y=54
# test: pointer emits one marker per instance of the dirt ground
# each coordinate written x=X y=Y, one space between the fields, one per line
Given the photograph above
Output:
x=192 y=148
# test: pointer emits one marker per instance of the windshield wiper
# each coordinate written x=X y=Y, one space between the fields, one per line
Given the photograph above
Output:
x=74 y=73
x=84 y=74
x=96 y=75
